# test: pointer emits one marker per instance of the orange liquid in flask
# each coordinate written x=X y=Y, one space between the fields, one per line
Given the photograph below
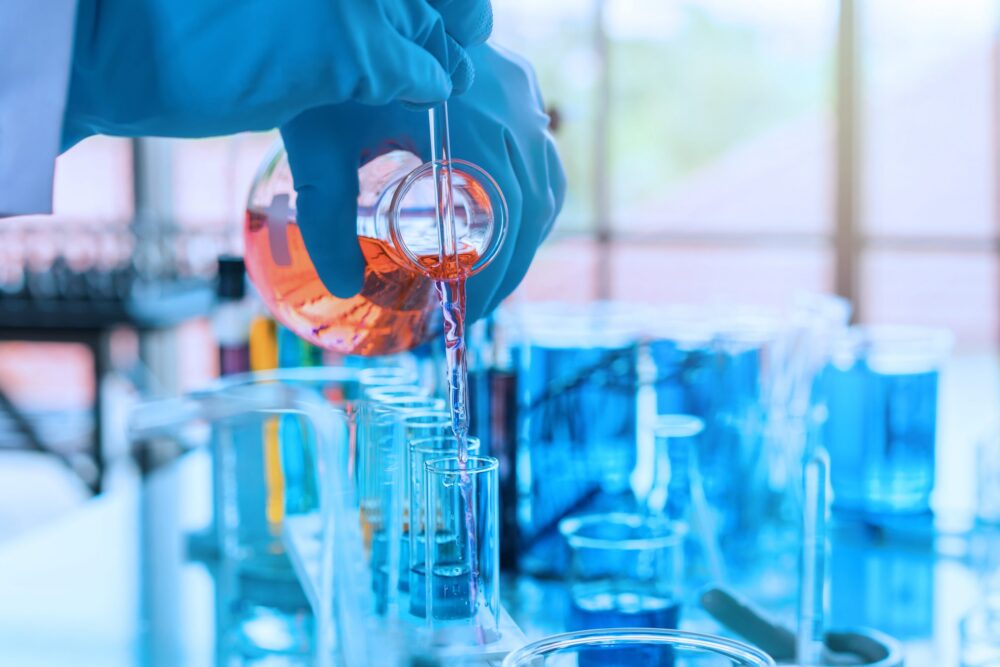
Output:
x=396 y=309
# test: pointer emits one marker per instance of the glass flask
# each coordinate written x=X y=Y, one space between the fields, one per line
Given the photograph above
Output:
x=400 y=239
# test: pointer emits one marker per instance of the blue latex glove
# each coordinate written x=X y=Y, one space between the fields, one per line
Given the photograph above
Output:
x=209 y=67
x=499 y=124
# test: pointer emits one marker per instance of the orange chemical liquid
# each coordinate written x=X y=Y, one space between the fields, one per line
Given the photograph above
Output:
x=396 y=309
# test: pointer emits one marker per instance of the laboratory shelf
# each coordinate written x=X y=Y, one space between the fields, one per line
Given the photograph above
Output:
x=301 y=537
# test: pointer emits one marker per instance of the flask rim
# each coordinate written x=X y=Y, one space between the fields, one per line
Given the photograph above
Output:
x=496 y=232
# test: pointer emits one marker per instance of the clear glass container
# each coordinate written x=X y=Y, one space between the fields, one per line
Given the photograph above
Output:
x=637 y=646
x=398 y=233
x=881 y=392
x=626 y=570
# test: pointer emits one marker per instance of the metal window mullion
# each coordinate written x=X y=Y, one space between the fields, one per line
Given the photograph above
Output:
x=602 y=152
x=847 y=241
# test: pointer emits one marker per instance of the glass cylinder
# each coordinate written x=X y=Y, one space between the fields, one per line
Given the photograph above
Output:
x=881 y=394
x=386 y=376
x=462 y=556
x=396 y=308
x=387 y=435
x=625 y=570
x=437 y=445
x=379 y=394
x=380 y=481
x=633 y=646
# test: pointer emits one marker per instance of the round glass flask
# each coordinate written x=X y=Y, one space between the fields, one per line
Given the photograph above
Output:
x=397 y=307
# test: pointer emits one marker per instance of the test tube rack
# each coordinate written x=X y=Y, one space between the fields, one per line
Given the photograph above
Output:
x=301 y=537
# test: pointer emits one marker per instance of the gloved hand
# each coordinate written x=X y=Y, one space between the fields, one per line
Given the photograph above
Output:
x=499 y=124
x=210 y=67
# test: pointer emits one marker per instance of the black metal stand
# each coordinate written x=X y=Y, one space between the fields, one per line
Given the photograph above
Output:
x=150 y=308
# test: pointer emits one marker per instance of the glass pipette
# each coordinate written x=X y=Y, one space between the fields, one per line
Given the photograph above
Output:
x=452 y=289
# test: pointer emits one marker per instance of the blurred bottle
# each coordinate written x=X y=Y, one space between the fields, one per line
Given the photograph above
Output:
x=232 y=317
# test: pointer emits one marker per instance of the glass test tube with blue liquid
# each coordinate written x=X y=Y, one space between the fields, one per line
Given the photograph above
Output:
x=462 y=517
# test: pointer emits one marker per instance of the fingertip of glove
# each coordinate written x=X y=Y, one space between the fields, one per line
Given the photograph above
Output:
x=342 y=282
x=429 y=83
x=341 y=271
x=463 y=72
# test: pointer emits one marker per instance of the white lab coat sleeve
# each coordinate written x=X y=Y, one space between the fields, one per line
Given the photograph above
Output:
x=36 y=47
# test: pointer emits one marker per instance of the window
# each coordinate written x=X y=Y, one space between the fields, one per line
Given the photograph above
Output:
x=725 y=137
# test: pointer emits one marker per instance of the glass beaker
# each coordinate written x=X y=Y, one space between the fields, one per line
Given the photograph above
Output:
x=396 y=308
x=626 y=570
x=881 y=390
x=633 y=646
x=577 y=384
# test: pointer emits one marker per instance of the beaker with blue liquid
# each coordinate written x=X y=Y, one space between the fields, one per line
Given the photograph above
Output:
x=881 y=395
x=577 y=418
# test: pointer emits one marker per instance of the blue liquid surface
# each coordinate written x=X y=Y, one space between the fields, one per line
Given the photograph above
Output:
x=452 y=595
x=617 y=609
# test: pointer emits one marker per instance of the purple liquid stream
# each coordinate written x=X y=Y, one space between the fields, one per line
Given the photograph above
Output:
x=452 y=295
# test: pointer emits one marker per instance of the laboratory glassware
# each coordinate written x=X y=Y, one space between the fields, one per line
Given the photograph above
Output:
x=439 y=443
x=678 y=491
x=398 y=229
x=273 y=593
x=386 y=376
x=637 y=646
x=813 y=567
x=462 y=559
x=988 y=479
x=980 y=632
x=417 y=425
x=389 y=392
x=710 y=365
x=576 y=371
x=387 y=429
x=626 y=570
x=881 y=394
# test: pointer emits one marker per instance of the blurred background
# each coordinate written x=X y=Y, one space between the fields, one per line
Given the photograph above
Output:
x=717 y=151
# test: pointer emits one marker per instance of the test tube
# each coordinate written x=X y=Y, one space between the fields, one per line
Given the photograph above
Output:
x=440 y=444
x=418 y=425
x=384 y=459
x=386 y=376
x=380 y=485
x=387 y=392
x=462 y=560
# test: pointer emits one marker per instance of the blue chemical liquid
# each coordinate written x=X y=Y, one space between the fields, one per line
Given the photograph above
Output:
x=880 y=433
x=404 y=563
x=624 y=609
x=380 y=571
x=577 y=427
x=451 y=588
x=446 y=548
x=418 y=591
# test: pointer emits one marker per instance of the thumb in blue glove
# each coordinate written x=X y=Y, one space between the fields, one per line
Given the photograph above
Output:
x=499 y=125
